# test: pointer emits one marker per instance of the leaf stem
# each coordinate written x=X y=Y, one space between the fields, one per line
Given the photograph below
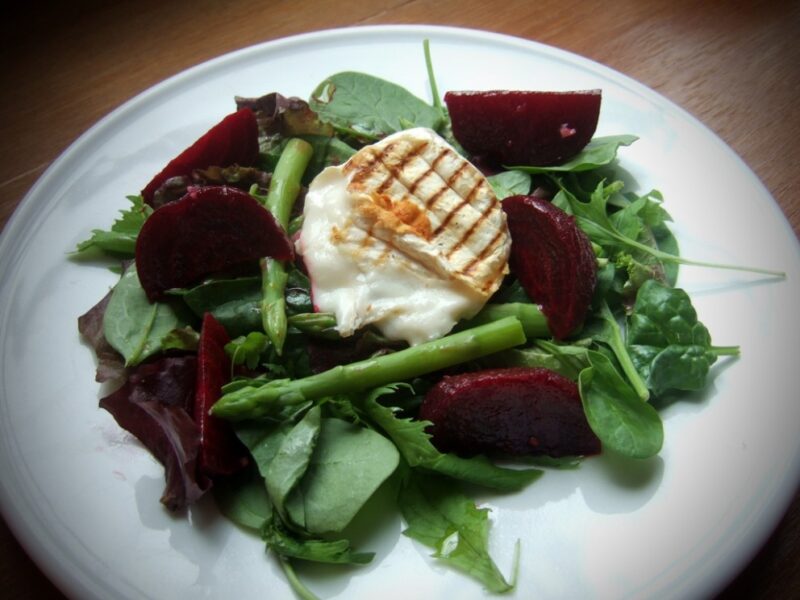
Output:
x=617 y=344
x=667 y=257
x=294 y=581
x=437 y=101
x=726 y=350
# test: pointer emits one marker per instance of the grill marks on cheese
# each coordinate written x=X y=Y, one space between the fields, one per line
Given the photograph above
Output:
x=413 y=186
x=406 y=235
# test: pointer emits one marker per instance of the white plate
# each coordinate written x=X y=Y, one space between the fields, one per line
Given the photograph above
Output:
x=82 y=496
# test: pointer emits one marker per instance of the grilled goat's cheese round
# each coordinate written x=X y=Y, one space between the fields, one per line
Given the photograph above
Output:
x=406 y=235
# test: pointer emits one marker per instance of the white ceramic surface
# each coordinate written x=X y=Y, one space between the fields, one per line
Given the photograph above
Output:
x=82 y=495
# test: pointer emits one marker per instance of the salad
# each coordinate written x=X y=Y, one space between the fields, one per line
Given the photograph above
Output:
x=253 y=375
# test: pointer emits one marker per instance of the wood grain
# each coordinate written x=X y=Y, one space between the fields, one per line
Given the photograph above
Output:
x=735 y=65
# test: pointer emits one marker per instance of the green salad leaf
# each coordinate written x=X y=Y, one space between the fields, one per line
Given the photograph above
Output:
x=283 y=542
x=601 y=151
x=347 y=466
x=370 y=108
x=414 y=444
x=243 y=499
x=443 y=518
x=510 y=183
x=292 y=459
x=120 y=239
x=233 y=302
x=616 y=413
x=132 y=325
x=669 y=345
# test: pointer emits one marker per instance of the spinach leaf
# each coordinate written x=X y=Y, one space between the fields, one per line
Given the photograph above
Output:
x=348 y=464
x=441 y=517
x=599 y=152
x=278 y=454
x=510 y=183
x=414 y=444
x=669 y=345
x=121 y=238
x=243 y=499
x=233 y=302
x=263 y=440
x=622 y=421
x=132 y=325
x=292 y=459
x=369 y=108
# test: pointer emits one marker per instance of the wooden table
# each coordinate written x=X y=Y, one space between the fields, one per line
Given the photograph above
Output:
x=735 y=65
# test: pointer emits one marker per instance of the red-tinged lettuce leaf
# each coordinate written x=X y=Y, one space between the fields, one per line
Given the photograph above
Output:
x=110 y=363
x=221 y=453
x=553 y=260
x=237 y=176
x=209 y=230
x=232 y=141
x=284 y=116
x=155 y=405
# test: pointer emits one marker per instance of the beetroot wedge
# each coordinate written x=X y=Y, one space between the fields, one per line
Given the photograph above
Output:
x=524 y=128
x=208 y=230
x=232 y=141
x=553 y=260
x=514 y=411
x=221 y=453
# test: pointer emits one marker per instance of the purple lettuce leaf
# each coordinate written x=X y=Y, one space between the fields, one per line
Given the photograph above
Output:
x=110 y=363
x=156 y=405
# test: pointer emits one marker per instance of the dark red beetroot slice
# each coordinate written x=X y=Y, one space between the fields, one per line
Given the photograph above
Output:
x=516 y=411
x=221 y=453
x=206 y=231
x=232 y=141
x=524 y=128
x=553 y=260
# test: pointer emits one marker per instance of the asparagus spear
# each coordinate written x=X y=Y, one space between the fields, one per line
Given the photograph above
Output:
x=319 y=324
x=283 y=190
x=533 y=320
x=254 y=402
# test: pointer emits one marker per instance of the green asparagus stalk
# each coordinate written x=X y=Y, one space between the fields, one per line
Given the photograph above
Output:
x=255 y=402
x=283 y=190
x=533 y=320
x=319 y=324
